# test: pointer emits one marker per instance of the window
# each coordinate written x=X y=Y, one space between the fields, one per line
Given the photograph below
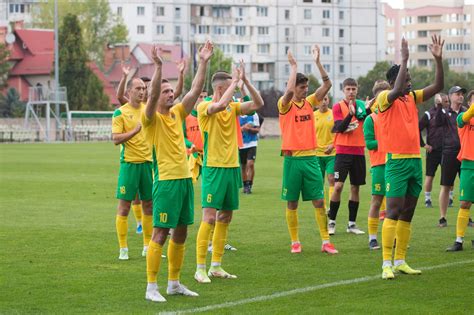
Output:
x=286 y=49
x=225 y=48
x=219 y=30
x=326 y=14
x=422 y=19
x=177 y=30
x=263 y=48
x=326 y=50
x=341 y=69
x=177 y=13
x=422 y=33
x=160 y=29
x=307 y=14
x=263 y=30
x=201 y=11
x=287 y=14
x=341 y=33
x=422 y=62
x=140 y=10
x=140 y=29
x=260 y=67
x=240 y=49
x=203 y=29
x=326 y=1
x=422 y=48
x=308 y=1
x=326 y=32
x=240 y=11
x=240 y=30
x=221 y=12
x=119 y=11
x=262 y=11
x=307 y=68
x=307 y=31
x=287 y=31
x=341 y=15
x=341 y=50
x=287 y=69
x=307 y=50
x=327 y=67
x=160 y=11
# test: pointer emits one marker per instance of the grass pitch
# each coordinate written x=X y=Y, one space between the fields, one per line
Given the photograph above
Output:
x=59 y=249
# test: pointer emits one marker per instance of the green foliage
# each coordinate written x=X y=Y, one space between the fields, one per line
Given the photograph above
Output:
x=84 y=89
x=218 y=62
x=11 y=105
x=99 y=25
x=367 y=82
x=4 y=65
x=313 y=83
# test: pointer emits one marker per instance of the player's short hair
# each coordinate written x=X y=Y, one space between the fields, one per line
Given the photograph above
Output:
x=392 y=74
x=349 y=82
x=379 y=86
x=301 y=79
x=164 y=81
x=145 y=79
x=131 y=81
x=469 y=95
x=220 y=75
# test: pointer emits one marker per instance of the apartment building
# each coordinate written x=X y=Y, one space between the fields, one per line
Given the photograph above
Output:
x=452 y=19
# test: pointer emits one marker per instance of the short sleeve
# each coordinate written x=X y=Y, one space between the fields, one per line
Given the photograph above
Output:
x=147 y=122
x=336 y=112
x=117 y=122
x=256 y=121
x=202 y=109
x=179 y=109
x=313 y=100
x=418 y=96
x=283 y=108
x=382 y=100
x=237 y=107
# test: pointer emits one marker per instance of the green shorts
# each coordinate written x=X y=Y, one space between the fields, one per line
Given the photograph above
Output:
x=173 y=203
x=326 y=164
x=302 y=175
x=378 y=180
x=467 y=182
x=135 y=178
x=403 y=177
x=220 y=187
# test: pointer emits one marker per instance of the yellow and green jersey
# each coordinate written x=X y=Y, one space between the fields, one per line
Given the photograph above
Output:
x=125 y=119
x=165 y=134
x=219 y=134
x=323 y=123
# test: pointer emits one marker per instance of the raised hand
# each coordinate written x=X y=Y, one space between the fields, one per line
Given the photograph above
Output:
x=155 y=56
x=242 y=71
x=404 y=49
x=351 y=108
x=369 y=102
x=235 y=74
x=316 y=53
x=125 y=69
x=436 y=46
x=291 y=59
x=206 y=51
x=181 y=65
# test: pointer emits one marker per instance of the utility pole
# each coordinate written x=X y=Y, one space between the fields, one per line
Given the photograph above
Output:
x=56 y=70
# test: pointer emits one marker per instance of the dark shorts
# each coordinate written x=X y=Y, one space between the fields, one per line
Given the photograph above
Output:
x=351 y=164
x=450 y=166
x=433 y=159
x=248 y=154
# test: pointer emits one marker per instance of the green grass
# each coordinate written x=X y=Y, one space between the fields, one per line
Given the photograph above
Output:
x=59 y=250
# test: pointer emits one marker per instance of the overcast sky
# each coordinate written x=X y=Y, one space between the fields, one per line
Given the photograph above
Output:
x=399 y=3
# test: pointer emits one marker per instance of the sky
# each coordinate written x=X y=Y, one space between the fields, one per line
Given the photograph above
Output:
x=399 y=3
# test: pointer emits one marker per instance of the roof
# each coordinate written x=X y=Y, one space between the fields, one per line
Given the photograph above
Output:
x=37 y=41
x=108 y=88
x=21 y=85
x=33 y=65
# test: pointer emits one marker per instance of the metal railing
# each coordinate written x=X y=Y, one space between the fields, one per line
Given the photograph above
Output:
x=44 y=94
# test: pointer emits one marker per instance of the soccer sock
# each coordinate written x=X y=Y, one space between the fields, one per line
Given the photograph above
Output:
x=212 y=234
x=153 y=261
x=383 y=205
x=202 y=242
x=373 y=224
x=250 y=183
x=292 y=222
x=121 y=224
x=389 y=229
x=322 y=221
x=427 y=195
x=333 y=209
x=331 y=190
x=147 y=228
x=462 y=222
x=175 y=260
x=451 y=194
x=403 y=237
x=218 y=242
x=137 y=212
x=353 y=209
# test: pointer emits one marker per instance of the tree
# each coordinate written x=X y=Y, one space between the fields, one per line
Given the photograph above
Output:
x=313 y=83
x=99 y=25
x=4 y=66
x=83 y=87
x=218 y=62
x=11 y=105
x=367 y=82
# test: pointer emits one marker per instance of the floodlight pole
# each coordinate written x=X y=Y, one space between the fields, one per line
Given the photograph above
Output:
x=56 y=69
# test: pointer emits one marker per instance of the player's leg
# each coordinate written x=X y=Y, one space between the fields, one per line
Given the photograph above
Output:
x=145 y=193
x=378 y=195
x=330 y=171
x=250 y=168
x=121 y=226
x=243 y=167
x=449 y=168
x=137 y=212
x=342 y=165
x=291 y=189
x=466 y=197
x=357 y=178
x=153 y=262
x=433 y=159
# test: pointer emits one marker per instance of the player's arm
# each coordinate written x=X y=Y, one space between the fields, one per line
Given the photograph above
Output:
x=441 y=118
x=205 y=54
x=155 y=85
x=327 y=84
x=119 y=138
x=227 y=96
x=464 y=118
x=422 y=125
x=436 y=49
x=369 y=134
x=179 y=87
x=341 y=123
x=121 y=88
x=290 y=85
x=256 y=99
x=397 y=90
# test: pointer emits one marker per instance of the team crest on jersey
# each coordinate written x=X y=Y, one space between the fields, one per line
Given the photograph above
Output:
x=130 y=116
x=173 y=116
x=228 y=108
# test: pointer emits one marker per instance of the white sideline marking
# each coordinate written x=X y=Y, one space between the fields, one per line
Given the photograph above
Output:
x=297 y=291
